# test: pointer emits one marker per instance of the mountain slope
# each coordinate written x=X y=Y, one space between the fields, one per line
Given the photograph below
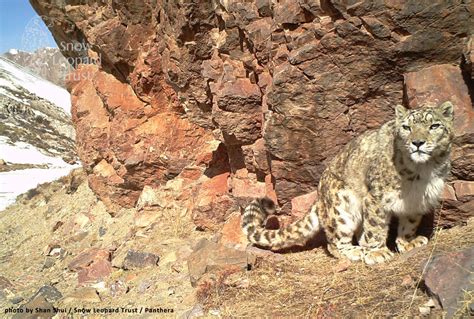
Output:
x=48 y=63
x=36 y=133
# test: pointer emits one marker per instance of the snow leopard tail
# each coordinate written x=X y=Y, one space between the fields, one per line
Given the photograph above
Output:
x=296 y=233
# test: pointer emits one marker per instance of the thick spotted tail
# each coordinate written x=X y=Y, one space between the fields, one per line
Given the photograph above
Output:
x=296 y=233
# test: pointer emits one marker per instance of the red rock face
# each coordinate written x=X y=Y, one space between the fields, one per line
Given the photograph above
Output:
x=441 y=83
x=273 y=89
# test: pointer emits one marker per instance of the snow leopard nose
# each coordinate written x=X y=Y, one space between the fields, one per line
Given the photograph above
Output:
x=418 y=143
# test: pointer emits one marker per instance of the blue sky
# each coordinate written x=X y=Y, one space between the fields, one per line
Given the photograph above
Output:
x=21 y=28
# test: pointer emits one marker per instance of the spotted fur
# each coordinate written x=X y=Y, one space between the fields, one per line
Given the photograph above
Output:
x=398 y=170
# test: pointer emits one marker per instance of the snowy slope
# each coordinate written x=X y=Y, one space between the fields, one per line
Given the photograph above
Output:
x=36 y=132
x=34 y=84
x=24 y=153
x=17 y=182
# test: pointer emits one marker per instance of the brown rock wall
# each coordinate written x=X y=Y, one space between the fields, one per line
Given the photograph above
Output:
x=280 y=86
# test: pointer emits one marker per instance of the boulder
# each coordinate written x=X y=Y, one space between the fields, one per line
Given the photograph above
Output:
x=92 y=265
x=457 y=205
x=212 y=203
x=449 y=278
x=209 y=257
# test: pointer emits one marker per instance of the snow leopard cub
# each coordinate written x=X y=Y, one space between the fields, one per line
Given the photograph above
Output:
x=398 y=169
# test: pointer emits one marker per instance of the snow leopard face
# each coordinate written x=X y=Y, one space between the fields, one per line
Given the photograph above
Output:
x=425 y=133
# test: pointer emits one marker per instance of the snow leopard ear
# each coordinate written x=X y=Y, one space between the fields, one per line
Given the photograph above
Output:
x=446 y=109
x=400 y=112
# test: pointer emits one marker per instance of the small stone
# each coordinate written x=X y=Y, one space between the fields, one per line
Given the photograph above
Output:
x=50 y=293
x=16 y=300
x=102 y=231
x=118 y=288
x=430 y=303
x=424 y=311
x=2 y=162
x=55 y=252
x=148 y=198
x=195 y=312
x=5 y=283
x=79 y=236
x=99 y=286
x=49 y=262
x=236 y=280
x=215 y=312
x=57 y=225
x=264 y=253
x=342 y=265
x=211 y=257
x=138 y=259
x=37 y=302
x=169 y=258
x=407 y=281
x=143 y=286
x=49 y=248
x=83 y=295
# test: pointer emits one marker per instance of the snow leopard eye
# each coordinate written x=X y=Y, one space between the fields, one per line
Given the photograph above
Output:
x=406 y=127
x=434 y=126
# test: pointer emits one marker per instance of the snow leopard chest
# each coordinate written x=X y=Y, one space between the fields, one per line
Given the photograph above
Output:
x=415 y=197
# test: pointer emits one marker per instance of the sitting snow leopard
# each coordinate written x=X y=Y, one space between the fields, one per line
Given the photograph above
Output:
x=398 y=169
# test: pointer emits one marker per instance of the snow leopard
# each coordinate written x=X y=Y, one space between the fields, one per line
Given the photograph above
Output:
x=396 y=170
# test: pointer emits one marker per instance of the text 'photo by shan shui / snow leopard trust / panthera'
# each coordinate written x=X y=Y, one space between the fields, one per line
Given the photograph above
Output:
x=398 y=169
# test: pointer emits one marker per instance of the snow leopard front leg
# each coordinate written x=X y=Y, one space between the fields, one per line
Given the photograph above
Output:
x=406 y=234
x=374 y=232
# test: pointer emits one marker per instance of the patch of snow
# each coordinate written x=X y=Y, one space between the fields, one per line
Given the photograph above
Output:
x=14 y=183
x=13 y=51
x=7 y=84
x=36 y=85
x=24 y=153
x=7 y=94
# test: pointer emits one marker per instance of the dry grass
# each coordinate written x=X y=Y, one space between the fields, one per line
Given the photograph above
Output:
x=309 y=285
x=467 y=301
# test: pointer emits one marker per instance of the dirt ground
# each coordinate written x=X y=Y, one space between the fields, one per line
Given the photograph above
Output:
x=306 y=284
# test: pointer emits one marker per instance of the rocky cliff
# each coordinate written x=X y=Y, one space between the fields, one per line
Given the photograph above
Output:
x=246 y=98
